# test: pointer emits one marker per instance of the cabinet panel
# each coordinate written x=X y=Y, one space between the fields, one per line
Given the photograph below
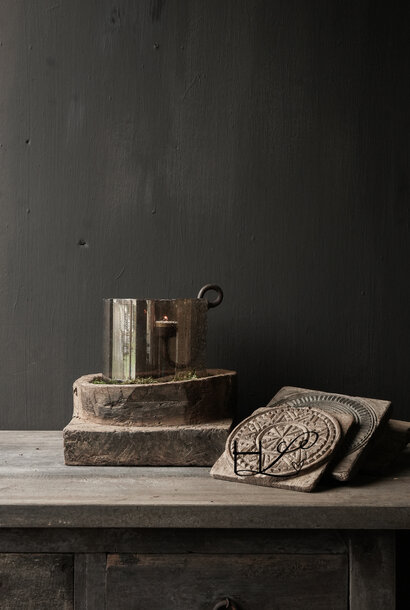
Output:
x=32 y=581
x=254 y=582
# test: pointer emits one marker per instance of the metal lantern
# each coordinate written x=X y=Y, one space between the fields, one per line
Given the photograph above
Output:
x=156 y=338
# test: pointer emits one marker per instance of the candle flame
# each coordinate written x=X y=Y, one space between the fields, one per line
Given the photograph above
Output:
x=165 y=318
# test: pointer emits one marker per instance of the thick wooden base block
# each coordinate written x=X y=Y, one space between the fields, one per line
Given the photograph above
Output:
x=89 y=444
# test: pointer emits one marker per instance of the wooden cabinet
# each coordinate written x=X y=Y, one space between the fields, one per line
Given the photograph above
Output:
x=175 y=569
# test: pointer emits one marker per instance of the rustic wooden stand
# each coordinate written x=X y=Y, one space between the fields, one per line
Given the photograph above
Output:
x=135 y=538
x=180 y=423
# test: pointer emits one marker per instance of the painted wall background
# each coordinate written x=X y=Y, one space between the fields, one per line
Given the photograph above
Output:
x=148 y=148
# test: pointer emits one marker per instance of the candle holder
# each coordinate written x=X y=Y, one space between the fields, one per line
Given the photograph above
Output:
x=156 y=402
x=155 y=337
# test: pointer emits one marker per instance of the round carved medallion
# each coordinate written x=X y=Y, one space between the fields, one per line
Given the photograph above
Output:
x=362 y=411
x=283 y=441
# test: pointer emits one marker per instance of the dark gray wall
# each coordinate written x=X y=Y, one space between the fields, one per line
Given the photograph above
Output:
x=147 y=148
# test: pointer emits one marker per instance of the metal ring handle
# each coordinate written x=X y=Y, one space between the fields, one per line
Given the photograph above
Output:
x=218 y=299
x=225 y=603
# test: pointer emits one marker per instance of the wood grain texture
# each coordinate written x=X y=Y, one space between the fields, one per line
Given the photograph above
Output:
x=36 y=581
x=194 y=401
x=38 y=490
x=372 y=570
x=253 y=582
x=186 y=540
x=150 y=147
x=90 y=444
x=89 y=581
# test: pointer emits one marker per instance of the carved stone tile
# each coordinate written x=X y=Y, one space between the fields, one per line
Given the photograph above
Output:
x=282 y=447
x=368 y=415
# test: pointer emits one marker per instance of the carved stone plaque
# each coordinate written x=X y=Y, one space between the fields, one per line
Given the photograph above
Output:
x=291 y=440
x=282 y=447
x=368 y=414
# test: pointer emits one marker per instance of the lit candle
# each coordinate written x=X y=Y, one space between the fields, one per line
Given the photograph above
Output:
x=166 y=332
x=166 y=328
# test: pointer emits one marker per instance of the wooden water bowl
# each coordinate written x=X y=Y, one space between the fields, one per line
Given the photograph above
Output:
x=191 y=401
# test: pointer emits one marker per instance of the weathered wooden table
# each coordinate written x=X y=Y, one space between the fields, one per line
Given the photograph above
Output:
x=174 y=538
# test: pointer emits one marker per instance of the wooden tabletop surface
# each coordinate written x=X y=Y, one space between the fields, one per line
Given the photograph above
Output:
x=38 y=490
